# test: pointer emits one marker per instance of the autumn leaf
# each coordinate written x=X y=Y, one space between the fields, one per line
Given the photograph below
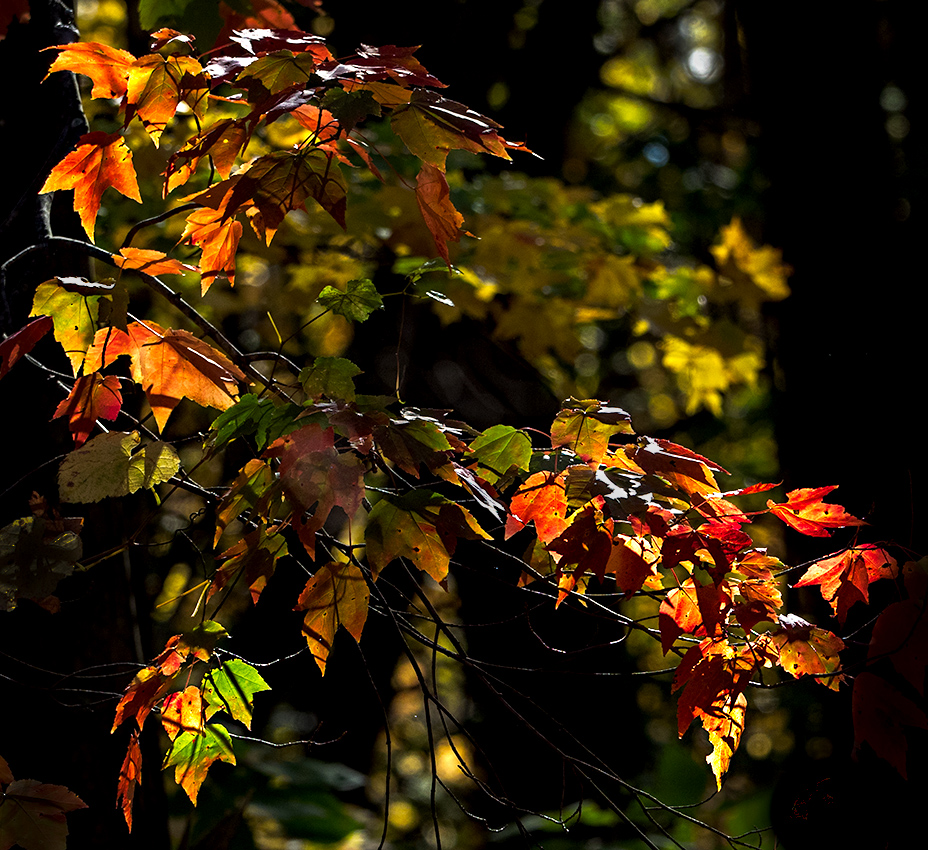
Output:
x=112 y=465
x=130 y=774
x=254 y=557
x=541 y=499
x=805 y=511
x=222 y=143
x=724 y=722
x=278 y=71
x=32 y=815
x=150 y=262
x=232 y=689
x=805 y=650
x=251 y=484
x=336 y=596
x=170 y=365
x=218 y=239
x=444 y=222
x=845 y=578
x=19 y=344
x=158 y=84
x=739 y=258
x=632 y=564
x=193 y=753
x=183 y=712
x=107 y=66
x=100 y=161
x=91 y=398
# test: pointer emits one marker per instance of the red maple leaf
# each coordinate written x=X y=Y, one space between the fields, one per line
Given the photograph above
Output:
x=845 y=578
x=805 y=511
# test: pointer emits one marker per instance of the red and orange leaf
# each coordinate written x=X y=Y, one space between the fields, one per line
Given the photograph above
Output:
x=444 y=222
x=805 y=650
x=91 y=398
x=585 y=544
x=845 y=578
x=805 y=511
x=222 y=143
x=336 y=596
x=130 y=774
x=183 y=712
x=22 y=342
x=542 y=499
x=158 y=84
x=253 y=481
x=880 y=714
x=150 y=262
x=254 y=557
x=107 y=66
x=632 y=563
x=218 y=238
x=100 y=161
x=146 y=689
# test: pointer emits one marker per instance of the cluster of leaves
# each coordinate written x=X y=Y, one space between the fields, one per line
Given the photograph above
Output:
x=344 y=483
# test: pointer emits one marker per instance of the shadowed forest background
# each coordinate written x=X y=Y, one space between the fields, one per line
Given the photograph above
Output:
x=807 y=124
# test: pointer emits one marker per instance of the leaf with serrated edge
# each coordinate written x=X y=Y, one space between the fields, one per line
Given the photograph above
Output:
x=232 y=689
x=192 y=754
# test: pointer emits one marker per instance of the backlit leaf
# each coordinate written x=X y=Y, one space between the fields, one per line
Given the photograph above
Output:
x=218 y=239
x=805 y=650
x=500 y=450
x=157 y=85
x=112 y=465
x=107 y=66
x=405 y=528
x=806 y=511
x=91 y=398
x=183 y=712
x=22 y=342
x=130 y=774
x=100 y=161
x=542 y=499
x=193 y=753
x=444 y=222
x=336 y=596
x=358 y=300
x=232 y=689
x=150 y=262
x=586 y=425
x=74 y=316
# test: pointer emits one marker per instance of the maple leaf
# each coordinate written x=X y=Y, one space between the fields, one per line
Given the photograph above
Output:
x=880 y=713
x=444 y=222
x=358 y=300
x=758 y=588
x=499 y=451
x=585 y=426
x=158 y=84
x=112 y=465
x=232 y=689
x=74 y=316
x=22 y=342
x=586 y=543
x=312 y=471
x=150 y=262
x=32 y=814
x=845 y=578
x=277 y=71
x=691 y=472
x=170 y=365
x=632 y=564
x=541 y=499
x=371 y=64
x=805 y=511
x=222 y=143
x=805 y=650
x=193 y=753
x=218 y=239
x=130 y=774
x=107 y=66
x=255 y=478
x=336 y=596
x=724 y=722
x=100 y=161
x=332 y=377
x=91 y=398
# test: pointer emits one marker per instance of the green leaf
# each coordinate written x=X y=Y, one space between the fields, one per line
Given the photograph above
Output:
x=106 y=467
x=499 y=450
x=201 y=641
x=232 y=688
x=75 y=317
x=193 y=753
x=398 y=528
x=330 y=377
x=254 y=415
x=585 y=426
x=356 y=303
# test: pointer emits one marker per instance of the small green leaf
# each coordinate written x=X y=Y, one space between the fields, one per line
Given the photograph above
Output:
x=254 y=415
x=356 y=303
x=330 y=377
x=499 y=449
x=232 y=688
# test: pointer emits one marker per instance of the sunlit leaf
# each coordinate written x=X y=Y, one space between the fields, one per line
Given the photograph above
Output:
x=193 y=753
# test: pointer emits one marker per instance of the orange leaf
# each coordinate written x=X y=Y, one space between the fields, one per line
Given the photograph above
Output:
x=92 y=397
x=442 y=219
x=222 y=143
x=157 y=85
x=150 y=262
x=100 y=161
x=541 y=499
x=337 y=595
x=805 y=511
x=170 y=365
x=845 y=578
x=805 y=650
x=218 y=238
x=129 y=775
x=183 y=712
x=107 y=66
x=724 y=722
